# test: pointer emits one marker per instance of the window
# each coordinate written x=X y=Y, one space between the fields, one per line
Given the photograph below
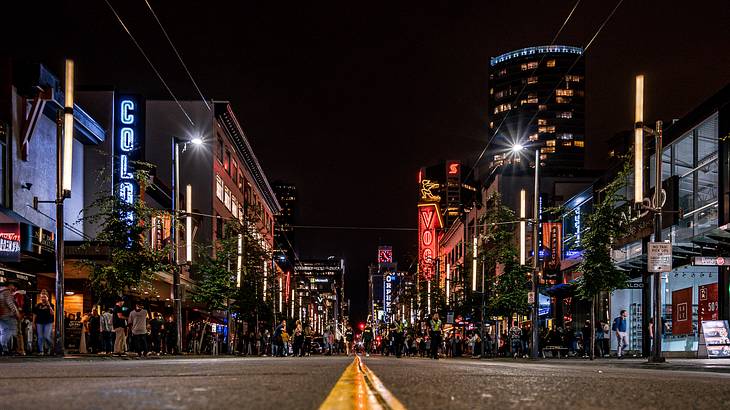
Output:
x=547 y=150
x=551 y=63
x=564 y=114
x=502 y=108
x=220 y=150
x=573 y=77
x=491 y=124
x=550 y=143
x=562 y=100
x=541 y=122
x=565 y=136
x=240 y=181
x=542 y=107
x=528 y=101
x=533 y=137
x=227 y=198
x=579 y=144
x=564 y=92
x=567 y=143
x=234 y=172
x=218 y=227
x=227 y=162
x=548 y=129
x=219 y=187
x=529 y=66
x=532 y=80
x=502 y=72
x=234 y=207
x=543 y=157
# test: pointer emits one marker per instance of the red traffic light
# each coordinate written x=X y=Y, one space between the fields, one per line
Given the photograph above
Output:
x=362 y=326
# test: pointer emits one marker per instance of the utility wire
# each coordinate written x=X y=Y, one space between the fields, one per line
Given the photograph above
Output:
x=169 y=40
x=134 y=40
x=355 y=228
x=519 y=95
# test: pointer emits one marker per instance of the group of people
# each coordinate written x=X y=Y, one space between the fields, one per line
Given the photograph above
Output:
x=399 y=340
x=19 y=329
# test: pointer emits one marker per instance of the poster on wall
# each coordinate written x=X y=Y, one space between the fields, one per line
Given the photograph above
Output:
x=716 y=338
x=682 y=311
x=707 y=306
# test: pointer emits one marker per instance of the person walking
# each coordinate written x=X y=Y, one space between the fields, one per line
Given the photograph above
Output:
x=138 y=327
x=156 y=325
x=586 y=332
x=367 y=338
x=308 y=336
x=515 y=336
x=107 y=331
x=43 y=317
x=94 y=331
x=606 y=342
x=9 y=316
x=278 y=343
x=620 y=325
x=435 y=335
x=349 y=339
x=120 y=328
x=298 y=338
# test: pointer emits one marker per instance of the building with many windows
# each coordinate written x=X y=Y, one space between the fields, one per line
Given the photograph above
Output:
x=536 y=96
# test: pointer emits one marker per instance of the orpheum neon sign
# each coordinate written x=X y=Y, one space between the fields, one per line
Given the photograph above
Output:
x=429 y=220
x=127 y=147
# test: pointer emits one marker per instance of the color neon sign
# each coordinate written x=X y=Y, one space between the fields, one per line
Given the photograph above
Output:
x=429 y=219
x=127 y=148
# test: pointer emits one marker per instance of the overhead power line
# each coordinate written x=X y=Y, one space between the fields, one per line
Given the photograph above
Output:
x=134 y=40
x=169 y=40
x=355 y=228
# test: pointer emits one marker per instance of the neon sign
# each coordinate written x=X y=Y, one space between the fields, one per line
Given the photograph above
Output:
x=128 y=143
x=389 y=282
x=429 y=219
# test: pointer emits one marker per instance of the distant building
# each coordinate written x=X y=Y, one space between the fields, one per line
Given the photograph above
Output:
x=286 y=193
x=318 y=294
x=550 y=110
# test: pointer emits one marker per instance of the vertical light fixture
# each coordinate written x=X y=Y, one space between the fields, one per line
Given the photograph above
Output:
x=239 y=260
x=523 y=226
x=281 y=296
x=429 y=297
x=639 y=141
x=474 y=251
x=68 y=128
x=448 y=282
x=189 y=224
x=292 y=303
x=265 y=278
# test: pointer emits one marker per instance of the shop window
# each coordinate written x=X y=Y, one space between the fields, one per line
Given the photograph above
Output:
x=532 y=80
x=234 y=207
x=542 y=107
x=541 y=122
x=550 y=63
x=219 y=187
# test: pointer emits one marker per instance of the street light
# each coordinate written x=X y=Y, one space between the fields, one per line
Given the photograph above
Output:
x=177 y=302
x=517 y=148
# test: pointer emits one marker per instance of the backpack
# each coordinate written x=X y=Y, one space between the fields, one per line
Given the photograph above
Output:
x=615 y=324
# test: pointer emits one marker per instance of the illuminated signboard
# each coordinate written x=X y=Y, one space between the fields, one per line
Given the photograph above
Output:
x=429 y=220
x=128 y=146
x=385 y=254
x=389 y=280
x=9 y=242
x=552 y=239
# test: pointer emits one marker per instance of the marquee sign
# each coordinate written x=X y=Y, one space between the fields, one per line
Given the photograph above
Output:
x=429 y=220
x=389 y=280
x=9 y=242
x=128 y=146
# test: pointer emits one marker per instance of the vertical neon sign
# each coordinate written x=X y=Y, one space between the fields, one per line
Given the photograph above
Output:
x=128 y=143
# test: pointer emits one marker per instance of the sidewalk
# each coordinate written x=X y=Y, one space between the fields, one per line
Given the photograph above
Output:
x=674 y=364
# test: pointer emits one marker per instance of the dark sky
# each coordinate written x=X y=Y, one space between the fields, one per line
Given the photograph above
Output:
x=347 y=101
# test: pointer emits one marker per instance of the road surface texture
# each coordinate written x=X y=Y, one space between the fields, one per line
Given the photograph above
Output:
x=307 y=383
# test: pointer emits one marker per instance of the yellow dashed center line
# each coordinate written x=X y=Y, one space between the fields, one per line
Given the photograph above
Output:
x=358 y=388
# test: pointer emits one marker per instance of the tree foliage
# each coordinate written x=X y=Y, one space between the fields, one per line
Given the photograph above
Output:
x=124 y=231
x=215 y=271
x=604 y=225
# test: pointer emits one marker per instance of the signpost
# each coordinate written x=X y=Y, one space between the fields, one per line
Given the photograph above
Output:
x=660 y=257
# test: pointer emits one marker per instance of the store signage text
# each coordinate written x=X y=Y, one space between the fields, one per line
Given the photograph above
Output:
x=10 y=242
x=128 y=144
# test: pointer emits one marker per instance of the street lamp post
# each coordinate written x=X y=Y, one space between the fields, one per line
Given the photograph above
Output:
x=176 y=293
x=536 y=253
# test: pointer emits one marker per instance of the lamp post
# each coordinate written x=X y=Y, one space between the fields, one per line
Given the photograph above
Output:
x=535 y=351
x=176 y=294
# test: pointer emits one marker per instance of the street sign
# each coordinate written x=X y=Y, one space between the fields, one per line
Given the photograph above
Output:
x=660 y=257
x=711 y=260
x=530 y=297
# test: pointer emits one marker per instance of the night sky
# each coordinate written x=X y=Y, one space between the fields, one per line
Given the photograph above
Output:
x=347 y=101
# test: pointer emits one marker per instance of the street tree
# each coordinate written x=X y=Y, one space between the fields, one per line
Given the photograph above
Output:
x=124 y=236
x=604 y=225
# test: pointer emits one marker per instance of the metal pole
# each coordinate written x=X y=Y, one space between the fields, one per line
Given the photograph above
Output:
x=484 y=312
x=173 y=236
x=656 y=356
x=60 y=291
x=536 y=257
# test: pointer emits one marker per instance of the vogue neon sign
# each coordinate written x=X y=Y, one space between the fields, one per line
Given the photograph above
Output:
x=429 y=219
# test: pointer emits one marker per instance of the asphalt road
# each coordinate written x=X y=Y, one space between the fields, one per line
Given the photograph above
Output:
x=304 y=383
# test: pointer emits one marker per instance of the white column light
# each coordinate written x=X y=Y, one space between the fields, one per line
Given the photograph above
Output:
x=189 y=224
x=474 y=264
x=523 y=225
x=239 y=260
x=68 y=127
x=639 y=141
x=448 y=281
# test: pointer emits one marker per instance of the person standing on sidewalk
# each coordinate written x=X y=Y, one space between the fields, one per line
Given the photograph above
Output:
x=43 y=316
x=107 y=331
x=138 y=327
x=120 y=328
x=620 y=325
x=435 y=335
x=515 y=336
x=349 y=338
x=367 y=338
x=9 y=316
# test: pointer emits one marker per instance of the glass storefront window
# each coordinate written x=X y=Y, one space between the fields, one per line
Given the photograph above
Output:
x=684 y=158
x=686 y=193
x=706 y=177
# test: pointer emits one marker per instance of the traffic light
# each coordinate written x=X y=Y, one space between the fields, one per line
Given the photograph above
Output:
x=362 y=326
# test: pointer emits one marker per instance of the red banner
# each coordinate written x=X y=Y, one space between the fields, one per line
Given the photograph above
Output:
x=552 y=240
x=682 y=311
x=707 y=305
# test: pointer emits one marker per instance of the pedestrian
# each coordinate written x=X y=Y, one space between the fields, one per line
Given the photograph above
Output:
x=349 y=339
x=599 y=339
x=298 y=339
x=43 y=317
x=435 y=335
x=525 y=340
x=9 y=316
x=156 y=325
x=586 y=331
x=120 y=328
x=107 y=331
x=515 y=336
x=138 y=328
x=278 y=343
x=94 y=331
x=308 y=336
x=171 y=336
x=367 y=338
x=606 y=342
x=619 y=327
